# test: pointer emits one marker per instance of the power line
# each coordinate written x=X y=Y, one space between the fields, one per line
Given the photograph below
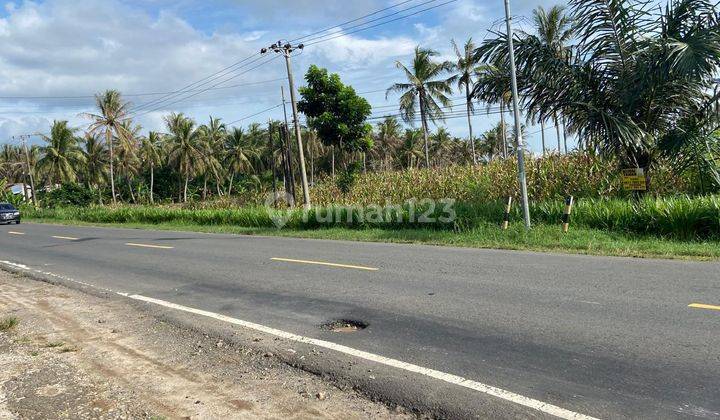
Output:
x=350 y=21
x=255 y=114
x=381 y=23
x=204 y=90
x=141 y=94
x=311 y=40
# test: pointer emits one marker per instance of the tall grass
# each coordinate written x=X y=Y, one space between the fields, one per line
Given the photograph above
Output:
x=680 y=217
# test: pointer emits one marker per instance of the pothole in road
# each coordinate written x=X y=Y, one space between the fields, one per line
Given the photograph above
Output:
x=344 y=325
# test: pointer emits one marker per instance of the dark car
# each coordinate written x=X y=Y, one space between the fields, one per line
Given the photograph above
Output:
x=9 y=214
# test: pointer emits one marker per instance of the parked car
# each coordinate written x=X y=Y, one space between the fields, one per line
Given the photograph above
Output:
x=9 y=214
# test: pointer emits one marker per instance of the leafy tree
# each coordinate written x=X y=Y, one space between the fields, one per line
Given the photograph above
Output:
x=336 y=113
x=387 y=140
x=424 y=90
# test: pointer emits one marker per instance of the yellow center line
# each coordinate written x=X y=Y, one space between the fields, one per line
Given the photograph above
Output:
x=704 y=306
x=149 y=246
x=12 y=232
x=69 y=238
x=358 y=267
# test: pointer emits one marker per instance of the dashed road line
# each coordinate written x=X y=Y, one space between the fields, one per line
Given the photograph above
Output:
x=704 y=306
x=149 y=246
x=12 y=232
x=329 y=264
x=69 y=238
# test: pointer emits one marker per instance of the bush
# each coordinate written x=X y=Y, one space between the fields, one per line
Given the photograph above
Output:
x=68 y=195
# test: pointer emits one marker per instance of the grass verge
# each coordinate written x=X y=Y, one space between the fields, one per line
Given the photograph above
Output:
x=543 y=237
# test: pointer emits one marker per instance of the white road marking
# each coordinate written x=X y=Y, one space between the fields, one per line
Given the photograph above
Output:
x=589 y=302
x=329 y=264
x=409 y=367
x=12 y=232
x=149 y=246
x=69 y=238
x=446 y=377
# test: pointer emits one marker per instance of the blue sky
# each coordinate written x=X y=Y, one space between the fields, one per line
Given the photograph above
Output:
x=69 y=48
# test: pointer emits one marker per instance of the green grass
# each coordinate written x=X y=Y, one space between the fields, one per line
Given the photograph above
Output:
x=542 y=237
x=6 y=324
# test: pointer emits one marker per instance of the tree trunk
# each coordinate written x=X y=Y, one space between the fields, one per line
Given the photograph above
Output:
x=204 y=194
x=332 y=161
x=425 y=131
x=187 y=178
x=467 y=106
x=557 y=131
x=542 y=136
x=364 y=162
x=152 y=183
x=232 y=178
x=564 y=135
x=503 y=130
x=108 y=136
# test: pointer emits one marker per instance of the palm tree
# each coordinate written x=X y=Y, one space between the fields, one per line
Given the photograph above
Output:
x=128 y=163
x=213 y=135
x=387 y=141
x=241 y=151
x=466 y=66
x=441 y=144
x=61 y=156
x=113 y=112
x=492 y=86
x=637 y=83
x=554 y=30
x=185 y=147
x=424 y=90
x=410 y=149
x=96 y=161
x=149 y=154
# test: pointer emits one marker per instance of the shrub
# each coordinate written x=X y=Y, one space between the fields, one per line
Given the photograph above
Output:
x=68 y=195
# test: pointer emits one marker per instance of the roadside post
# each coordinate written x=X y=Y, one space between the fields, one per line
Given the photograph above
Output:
x=566 y=213
x=506 y=216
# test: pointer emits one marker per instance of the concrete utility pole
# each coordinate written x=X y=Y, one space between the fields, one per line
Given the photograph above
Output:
x=29 y=169
x=516 y=112
x=285 y=50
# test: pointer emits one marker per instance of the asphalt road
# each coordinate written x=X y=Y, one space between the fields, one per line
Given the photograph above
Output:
x=604 y=337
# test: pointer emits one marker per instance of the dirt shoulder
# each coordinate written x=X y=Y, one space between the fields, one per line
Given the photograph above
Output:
x=73 y=355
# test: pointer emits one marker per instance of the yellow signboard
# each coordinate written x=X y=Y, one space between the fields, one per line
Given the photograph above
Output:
x=633 y=179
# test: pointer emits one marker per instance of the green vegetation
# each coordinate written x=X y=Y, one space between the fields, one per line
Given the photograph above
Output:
x=636 y=85
x=6 y=324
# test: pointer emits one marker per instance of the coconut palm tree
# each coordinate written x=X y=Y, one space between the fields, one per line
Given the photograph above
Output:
x=96 y=161
x=492 y=86
x=441 y=142
x=387 y=140
x=241 y=152
x=425 y=90
x=113 y=112
x=61 y=156
x=185 y=147
x=150 y=154
x=636 y=84
x=410 y=150
x=555 y=30
x=212 y=136
x=466 y=66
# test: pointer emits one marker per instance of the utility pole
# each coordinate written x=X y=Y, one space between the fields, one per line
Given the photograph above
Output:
x=29 y=169
x=516 y=112
x=287 y=150
x=285 y=50
x=272 y=162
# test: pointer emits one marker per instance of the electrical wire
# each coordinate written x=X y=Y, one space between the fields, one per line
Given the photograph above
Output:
x=351 y=21
x=255 y=114
x=381 y=23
